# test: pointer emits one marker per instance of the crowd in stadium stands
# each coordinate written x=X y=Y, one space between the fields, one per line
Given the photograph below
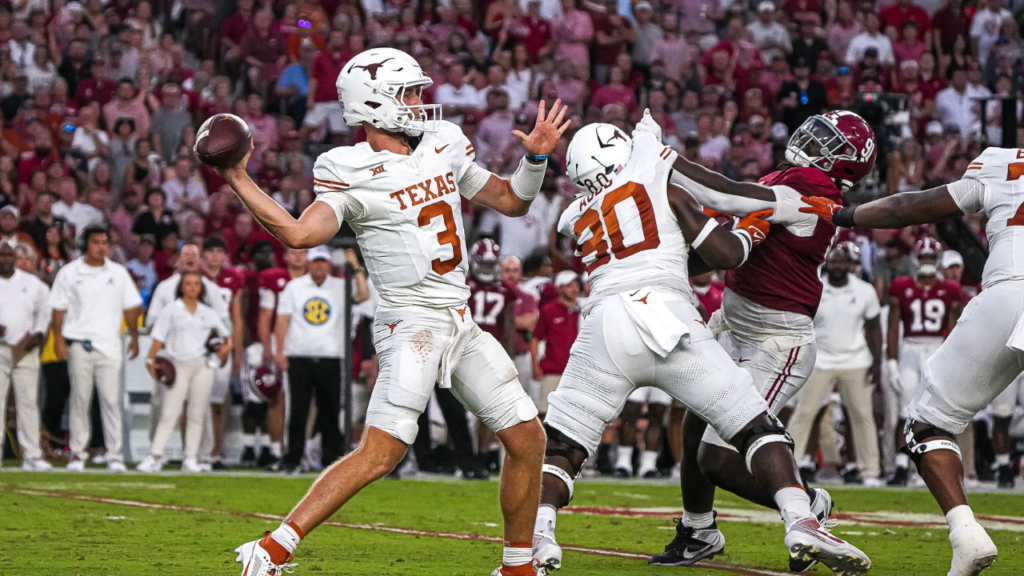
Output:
x=101 y=100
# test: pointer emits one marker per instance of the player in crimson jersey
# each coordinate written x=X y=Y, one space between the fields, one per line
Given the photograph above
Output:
x=232 y=283
x=709 y=292
x=766 y=320
x=492 y=302
x=927 y=307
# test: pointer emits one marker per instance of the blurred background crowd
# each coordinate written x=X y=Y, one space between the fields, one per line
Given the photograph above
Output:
x=101 y=100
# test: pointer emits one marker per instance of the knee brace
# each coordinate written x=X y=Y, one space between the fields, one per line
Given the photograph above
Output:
x=755 y=438
x=560 y=445
x=917 y=446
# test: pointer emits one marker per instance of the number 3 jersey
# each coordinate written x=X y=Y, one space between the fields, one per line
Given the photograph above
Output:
x=406 y=211
x=992 y=184
x=625 y=229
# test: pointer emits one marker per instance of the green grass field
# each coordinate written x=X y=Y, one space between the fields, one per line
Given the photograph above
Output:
x=47 y=528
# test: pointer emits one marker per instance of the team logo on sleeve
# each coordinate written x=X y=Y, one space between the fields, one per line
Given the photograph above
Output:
x=316 y=311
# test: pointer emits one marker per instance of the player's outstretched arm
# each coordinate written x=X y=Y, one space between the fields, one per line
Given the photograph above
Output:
x=720 y=247
x=316 y=225
x=719 y=193
x=896 y=211
x=512 y=196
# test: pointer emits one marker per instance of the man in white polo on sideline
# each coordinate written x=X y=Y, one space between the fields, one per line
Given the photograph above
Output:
x=90 y=296
x=24 y=322
x=308 y=342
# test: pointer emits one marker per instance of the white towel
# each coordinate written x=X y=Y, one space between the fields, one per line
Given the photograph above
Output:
x=1016 y=341
x=463 y=331
x=717 y=323
x=659 y=328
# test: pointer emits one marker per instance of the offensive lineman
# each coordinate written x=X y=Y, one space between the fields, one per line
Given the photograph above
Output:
x=401 y=192
x=634 y=232
x=766 y=320
x=983 y=353
x=927 y=307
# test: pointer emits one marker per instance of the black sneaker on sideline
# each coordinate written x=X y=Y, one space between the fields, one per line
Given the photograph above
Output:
x=691 y=545
x=900 y=478
x=1005 y=477
x=266 y=458
x=808 y=475
x=852 y=476
x=248 y=458
x=219 y=466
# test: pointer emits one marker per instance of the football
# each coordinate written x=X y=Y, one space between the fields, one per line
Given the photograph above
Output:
x=165 y=371
x=222 y=141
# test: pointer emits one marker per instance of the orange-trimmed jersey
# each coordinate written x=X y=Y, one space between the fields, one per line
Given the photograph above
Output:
x=625 y=229
x=406 y=211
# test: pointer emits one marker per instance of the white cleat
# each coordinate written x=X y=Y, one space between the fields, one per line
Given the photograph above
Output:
x=116 y=467
x=35 y=465
x=547 y=554
x=256 y=561
x=76 y=465
x=191 y=466
x=150 y=465
x=807 y=541
x=973 y=550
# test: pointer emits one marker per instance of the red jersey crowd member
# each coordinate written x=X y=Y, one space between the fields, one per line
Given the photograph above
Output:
x=557 y=327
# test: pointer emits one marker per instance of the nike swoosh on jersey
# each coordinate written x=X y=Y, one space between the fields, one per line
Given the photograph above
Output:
x=441 y=149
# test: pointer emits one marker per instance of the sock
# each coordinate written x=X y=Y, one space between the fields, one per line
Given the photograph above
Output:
x=960 y=516
x=281 y=543
x=248 y=441
x=625 y=458
x=794 y=504
x=264 y=440
x=1003 y=459
x=649 y=460
x=517 y=554
x=902 y=460
x=546 y=518
x=275 y=449
x=697 y=520
x=807 y=462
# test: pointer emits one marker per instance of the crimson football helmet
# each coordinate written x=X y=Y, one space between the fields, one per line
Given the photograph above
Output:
x=266 y=382
x=839 y=143
x=485 y=260
x=850 y=250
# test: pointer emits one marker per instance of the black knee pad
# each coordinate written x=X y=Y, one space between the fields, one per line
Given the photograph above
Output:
x=917 y=446
x=749 y=441
x=561 y=446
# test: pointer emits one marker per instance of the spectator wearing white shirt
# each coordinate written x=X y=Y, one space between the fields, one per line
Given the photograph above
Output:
x=21 y=46
x=456 y=97
x=90 y=297
x=80 y=214
x=183 y=191
x=849 y=340
x=957 y=104
x=308 y=336
x=871 y=37
x=181 y=331
x=985 y=27
x=771 y=38
x=24 y=322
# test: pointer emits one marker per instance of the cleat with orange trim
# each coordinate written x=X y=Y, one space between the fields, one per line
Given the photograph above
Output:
x=256 y=561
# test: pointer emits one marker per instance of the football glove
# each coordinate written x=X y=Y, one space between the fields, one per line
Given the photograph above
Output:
x=892 y=373
x=822 y=207
x=648 y=125
x=756 y=224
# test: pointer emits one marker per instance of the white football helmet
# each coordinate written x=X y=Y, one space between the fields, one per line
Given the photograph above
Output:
x=372 y=87
x=597 y=152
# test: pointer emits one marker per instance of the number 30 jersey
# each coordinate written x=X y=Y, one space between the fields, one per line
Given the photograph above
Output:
x=993 y=185
x=406 y=212
x=625 y=229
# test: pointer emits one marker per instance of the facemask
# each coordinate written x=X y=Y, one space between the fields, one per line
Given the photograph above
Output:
x=927 y=270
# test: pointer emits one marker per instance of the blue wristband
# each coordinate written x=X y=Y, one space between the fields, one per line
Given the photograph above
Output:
x=536 y=159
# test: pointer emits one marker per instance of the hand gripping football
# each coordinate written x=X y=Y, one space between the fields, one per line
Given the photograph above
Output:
x=222 y=141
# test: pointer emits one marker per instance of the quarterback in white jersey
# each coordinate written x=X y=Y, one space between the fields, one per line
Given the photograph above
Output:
x=401 y=191
x=634 y=231
x=983 y=353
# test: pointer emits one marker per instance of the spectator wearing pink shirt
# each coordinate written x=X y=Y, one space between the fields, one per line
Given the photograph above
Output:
x=571 y=33
x=263 y=128
x=674 y=51
x=567 y=83
x=910 y=46
x=615 y=92
x=495 y=133
x=840 y=32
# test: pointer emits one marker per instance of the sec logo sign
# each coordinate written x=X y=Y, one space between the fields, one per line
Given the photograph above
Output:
x=316 y=311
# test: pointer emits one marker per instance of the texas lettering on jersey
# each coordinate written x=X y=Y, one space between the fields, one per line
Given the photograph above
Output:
x=445 y=185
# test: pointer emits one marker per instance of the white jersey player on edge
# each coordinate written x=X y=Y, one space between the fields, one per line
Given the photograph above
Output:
x=635 y=230
x=983 y=353
x=401 y=192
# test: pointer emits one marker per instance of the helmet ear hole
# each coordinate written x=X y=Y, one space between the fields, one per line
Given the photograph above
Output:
x=373 y=105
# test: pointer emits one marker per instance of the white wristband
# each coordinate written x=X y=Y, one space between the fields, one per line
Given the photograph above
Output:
x=746 y=240
x=708 y=227
x=527 y=179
